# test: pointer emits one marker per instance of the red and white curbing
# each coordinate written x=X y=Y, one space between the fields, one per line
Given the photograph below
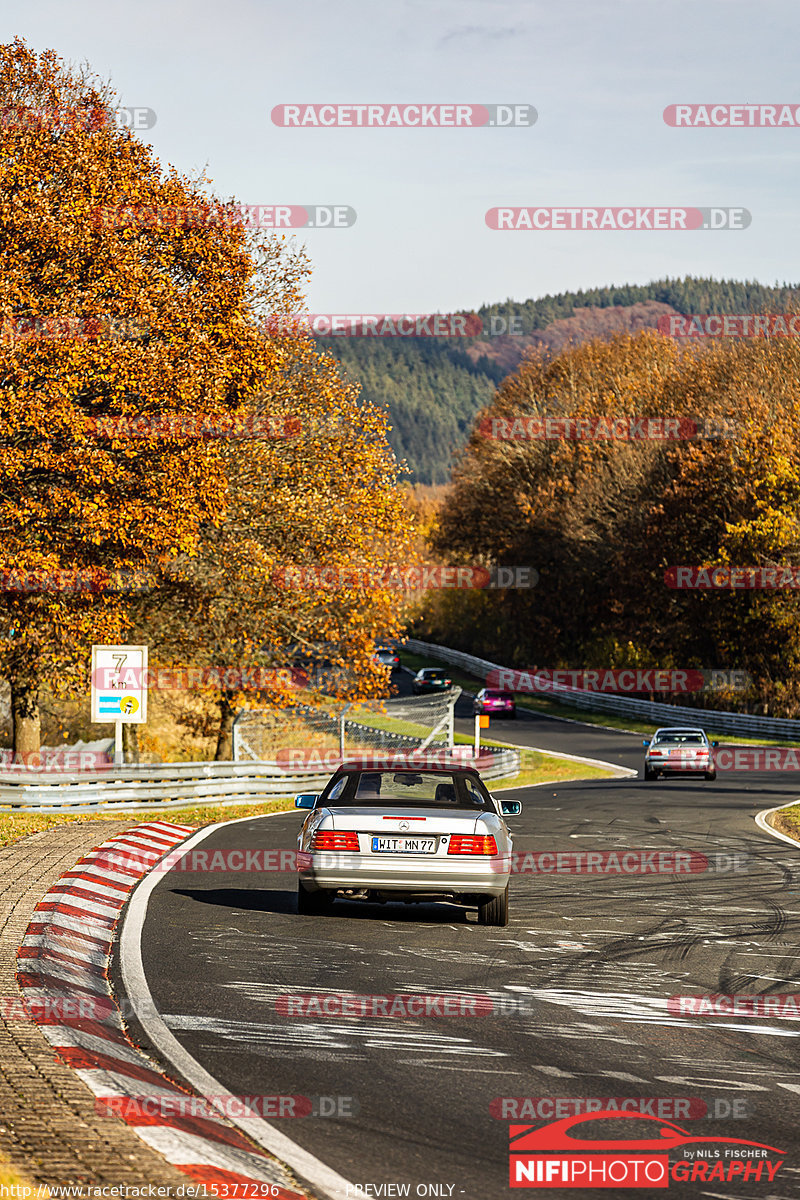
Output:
x=64 y=958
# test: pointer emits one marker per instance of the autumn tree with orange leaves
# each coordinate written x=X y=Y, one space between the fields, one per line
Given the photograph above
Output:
x=84 y=506
x=603 y=519
x=323 y=498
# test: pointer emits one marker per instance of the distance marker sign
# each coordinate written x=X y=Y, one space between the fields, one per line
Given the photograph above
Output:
x=119 y=691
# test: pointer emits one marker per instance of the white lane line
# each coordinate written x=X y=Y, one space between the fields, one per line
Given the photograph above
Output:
x=761 y=822
x=620 y=772
x=308 y=1166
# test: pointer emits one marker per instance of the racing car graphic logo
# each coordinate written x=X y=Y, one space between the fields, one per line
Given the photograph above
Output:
x=552 y=1156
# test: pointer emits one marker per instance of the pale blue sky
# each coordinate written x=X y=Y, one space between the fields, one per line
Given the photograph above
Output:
x=598 y=73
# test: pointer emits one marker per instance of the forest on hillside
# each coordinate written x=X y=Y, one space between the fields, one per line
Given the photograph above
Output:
x=432 y=388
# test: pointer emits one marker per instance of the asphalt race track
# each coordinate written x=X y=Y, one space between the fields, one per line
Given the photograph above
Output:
x=584 y=971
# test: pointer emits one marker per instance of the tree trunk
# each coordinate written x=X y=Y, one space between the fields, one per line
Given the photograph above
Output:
x=26 y=726
x=227 y=714
x=130 y=743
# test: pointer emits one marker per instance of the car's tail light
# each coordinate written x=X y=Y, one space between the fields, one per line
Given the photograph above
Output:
x=656 y=753
x=327 y=839
x=471 y=843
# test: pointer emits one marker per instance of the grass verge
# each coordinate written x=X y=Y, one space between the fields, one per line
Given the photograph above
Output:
x=14 y=826
x=9 y=1178
x=787 y=821
x=543 y=768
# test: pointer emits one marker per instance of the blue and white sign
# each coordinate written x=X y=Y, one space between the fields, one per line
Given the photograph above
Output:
x=119 y=684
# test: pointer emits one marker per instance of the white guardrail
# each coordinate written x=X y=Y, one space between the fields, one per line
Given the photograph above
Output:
x=168 y=785
x=738 y=724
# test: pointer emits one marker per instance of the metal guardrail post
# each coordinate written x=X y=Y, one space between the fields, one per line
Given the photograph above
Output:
x=345 y=710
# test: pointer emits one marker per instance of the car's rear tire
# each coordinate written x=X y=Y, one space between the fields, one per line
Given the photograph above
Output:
x=312 y=903
x=494 y=910
x=711 y=775
x=649 y=775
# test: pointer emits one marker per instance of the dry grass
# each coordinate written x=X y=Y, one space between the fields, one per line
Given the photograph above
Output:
x=22 y=1187
x=787 y=821
x=14 y=826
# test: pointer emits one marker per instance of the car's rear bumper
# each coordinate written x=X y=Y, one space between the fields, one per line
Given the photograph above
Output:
x=666 y=768
x=487 y=876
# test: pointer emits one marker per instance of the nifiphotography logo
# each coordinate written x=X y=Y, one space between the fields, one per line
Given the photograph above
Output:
x=554 y=1157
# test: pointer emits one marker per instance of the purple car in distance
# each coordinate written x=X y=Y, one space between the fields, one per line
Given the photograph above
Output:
x=494 y=703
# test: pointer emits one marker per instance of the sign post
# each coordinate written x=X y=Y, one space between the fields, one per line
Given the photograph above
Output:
x=119 y=689
x=481 y=722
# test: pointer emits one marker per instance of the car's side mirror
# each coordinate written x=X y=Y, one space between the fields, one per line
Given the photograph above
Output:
x=510 y=808
x=306 y=800
x=714 y=745
x=646 y=742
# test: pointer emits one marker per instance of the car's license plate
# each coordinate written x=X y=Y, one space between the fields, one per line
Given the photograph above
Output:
x=403 y=845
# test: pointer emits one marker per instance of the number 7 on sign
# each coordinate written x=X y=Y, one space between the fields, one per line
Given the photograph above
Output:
x=120 y=660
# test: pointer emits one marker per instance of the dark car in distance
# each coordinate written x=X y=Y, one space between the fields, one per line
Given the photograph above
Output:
x=430 y=679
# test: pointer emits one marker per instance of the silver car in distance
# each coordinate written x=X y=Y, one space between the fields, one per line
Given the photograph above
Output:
x=679 y=750
x=406 y=835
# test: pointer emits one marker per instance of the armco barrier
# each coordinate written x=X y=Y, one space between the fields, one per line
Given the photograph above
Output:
x=169 y=785
x=741 y=724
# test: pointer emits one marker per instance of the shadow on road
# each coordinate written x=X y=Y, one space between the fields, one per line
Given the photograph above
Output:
x=276 y=901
